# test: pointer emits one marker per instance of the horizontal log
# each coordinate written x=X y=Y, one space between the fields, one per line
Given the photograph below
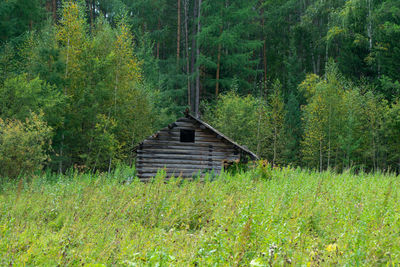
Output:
x=176 y=172
x=197 y=139
x=184 y=149
x=178 y=161
x=214 y=160
x=167 y=175
x=187 y=168
x=177 y=166
x=149 y=177
x=177 y=132
x=184 y=152
x=193 y=156
x=187 y=124
x=198 y=132
x=197 y=143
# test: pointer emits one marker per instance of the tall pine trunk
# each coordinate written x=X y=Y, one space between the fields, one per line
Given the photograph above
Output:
x=218 y=66
x=197 y=100
x=320 y=155
x=60 y=164
x=178 y=34
x=264 y=50
x=193 y=59
x=158 y=41
x=91 y=13
x=55 y=10
x=370 y=25
x=187 y=51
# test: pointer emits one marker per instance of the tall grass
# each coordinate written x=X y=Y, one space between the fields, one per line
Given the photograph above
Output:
x=295 y=217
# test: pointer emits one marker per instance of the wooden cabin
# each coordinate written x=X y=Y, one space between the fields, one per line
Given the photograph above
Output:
x=187 y=148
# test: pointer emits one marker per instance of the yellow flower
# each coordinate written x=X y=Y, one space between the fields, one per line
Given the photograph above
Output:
x=332 y=247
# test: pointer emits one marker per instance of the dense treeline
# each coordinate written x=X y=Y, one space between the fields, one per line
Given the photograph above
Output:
x=309 y=83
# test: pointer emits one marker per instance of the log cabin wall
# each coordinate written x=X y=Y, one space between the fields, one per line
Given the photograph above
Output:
x=172 y=148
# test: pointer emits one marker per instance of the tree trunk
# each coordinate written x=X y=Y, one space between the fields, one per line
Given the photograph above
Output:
x=60 y=165
x=55 y=10
x=158 y=41
x=91 y=13
x=370 y=25
x=193 y=60
x=259 y=129
x=320 y=155
x=318 y=64
x=187 y=51
x=326 y=55
x=313 y=59
x=329 y=134
x=178 y=34
x=264 y=50
x=197 y=101
x=48 y=6
x=218 y=66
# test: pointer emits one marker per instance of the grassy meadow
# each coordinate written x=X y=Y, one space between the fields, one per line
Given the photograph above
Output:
x=282 y=217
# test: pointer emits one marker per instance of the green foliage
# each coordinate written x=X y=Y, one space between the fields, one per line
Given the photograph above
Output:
x=133 y=65
x=20 y=96
x=93 y=80
x=322 y=117
x=263 y=170
x=345 y=125
x=19 y=16
x=226 y=39
x=297 y=218
x=24 y=146
x=240 y=118
x=392 y=132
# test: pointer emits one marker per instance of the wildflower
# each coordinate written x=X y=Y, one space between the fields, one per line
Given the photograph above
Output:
x=332 y=247
x=256 y=262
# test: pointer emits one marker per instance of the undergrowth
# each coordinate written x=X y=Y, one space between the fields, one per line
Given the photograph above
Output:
x=289 y=217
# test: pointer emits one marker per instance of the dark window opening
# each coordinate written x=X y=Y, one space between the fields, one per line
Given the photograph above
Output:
x=187 y=136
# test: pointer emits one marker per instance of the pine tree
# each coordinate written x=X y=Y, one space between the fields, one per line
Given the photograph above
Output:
x=228 y=44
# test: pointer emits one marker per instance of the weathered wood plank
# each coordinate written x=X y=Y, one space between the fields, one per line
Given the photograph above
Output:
x=176 y=175
x=177 y=132
x=177 y=139
x=198 y=132
x=186 y=124
x=180 y=149
x=189 y=157
x=185 y=151
x=177 y=161
x=198 y=158
x=177 y=142
x=178 y=166
x=176 y=172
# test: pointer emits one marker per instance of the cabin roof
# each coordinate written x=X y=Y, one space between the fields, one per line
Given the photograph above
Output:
x=252 y=155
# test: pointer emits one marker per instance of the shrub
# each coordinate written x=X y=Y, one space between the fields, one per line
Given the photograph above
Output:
x=263 y=170
x=24 y=146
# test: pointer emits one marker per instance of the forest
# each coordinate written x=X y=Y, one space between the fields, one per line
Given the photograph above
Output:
x=309 y=83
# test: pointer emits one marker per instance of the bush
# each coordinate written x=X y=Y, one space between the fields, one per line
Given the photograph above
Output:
x=24 y=146
x=263 y=170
